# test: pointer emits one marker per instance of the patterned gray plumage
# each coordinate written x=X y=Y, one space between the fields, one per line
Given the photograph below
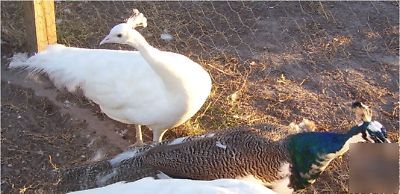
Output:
x=256 y=156
x=235 y=153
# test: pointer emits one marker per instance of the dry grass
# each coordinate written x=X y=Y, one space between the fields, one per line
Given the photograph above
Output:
x=270 y=62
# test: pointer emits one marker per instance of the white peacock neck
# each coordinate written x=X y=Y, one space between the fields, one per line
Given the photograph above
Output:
x=158 y=61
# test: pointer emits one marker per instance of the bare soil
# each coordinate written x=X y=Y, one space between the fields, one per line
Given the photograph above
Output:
x=271 y=62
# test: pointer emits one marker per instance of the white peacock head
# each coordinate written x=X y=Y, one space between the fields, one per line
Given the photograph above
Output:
x=121 y=33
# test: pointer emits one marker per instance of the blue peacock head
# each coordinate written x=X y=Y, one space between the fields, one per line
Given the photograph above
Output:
x=372 y=131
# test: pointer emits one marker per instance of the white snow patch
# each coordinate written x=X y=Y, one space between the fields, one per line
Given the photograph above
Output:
x=220 y=145
x=150 y=185
x=123 y=156
x=166 y=36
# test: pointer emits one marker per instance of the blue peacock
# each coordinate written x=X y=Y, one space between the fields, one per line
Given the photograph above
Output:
x=286 y=165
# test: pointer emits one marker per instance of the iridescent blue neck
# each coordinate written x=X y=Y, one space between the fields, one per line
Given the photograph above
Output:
x=311 y=152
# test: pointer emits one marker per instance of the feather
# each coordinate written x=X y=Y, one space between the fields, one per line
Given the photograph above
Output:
x=150 y=185
x=114 y=79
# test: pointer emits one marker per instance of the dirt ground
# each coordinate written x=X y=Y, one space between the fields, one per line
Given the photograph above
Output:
x=271 y=62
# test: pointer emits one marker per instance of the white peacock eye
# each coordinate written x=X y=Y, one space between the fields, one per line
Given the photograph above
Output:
x=119 y=35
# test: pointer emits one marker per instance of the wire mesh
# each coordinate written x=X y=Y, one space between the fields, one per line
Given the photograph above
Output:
x=274 y=62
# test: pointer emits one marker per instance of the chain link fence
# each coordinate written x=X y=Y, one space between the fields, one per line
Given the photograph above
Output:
x=271 y=62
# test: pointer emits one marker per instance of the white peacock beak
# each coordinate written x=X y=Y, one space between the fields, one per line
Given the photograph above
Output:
x=105 y=40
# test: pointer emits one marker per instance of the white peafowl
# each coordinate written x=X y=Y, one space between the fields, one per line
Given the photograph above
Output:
x=147 y=87
x=149 y=185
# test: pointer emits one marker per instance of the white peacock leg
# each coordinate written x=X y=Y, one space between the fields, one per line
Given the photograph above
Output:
x=139 y=138
x=158 y=134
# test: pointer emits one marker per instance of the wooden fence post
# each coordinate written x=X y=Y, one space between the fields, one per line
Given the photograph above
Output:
x=40 y=24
